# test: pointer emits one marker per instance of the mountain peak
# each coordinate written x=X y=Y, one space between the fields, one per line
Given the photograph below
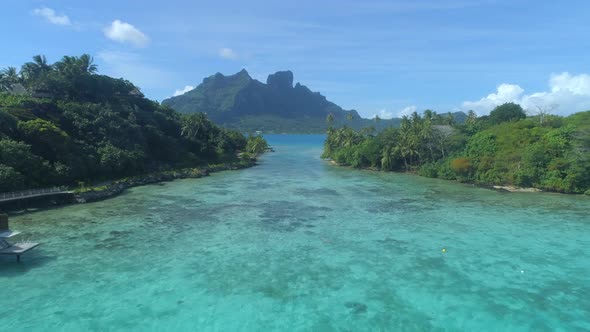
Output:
x=239 y=101
x=281 y=80
x=218 y=79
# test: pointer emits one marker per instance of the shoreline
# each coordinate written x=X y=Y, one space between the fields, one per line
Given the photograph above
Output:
x=499 y=188
x=117 y=187
x=513 y=189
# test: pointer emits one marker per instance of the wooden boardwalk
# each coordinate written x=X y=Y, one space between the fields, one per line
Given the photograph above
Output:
x=14 y=196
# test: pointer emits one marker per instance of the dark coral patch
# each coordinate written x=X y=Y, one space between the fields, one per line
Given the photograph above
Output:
x=356 y=307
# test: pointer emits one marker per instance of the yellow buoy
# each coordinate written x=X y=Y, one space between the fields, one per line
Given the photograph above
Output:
x=444 y=250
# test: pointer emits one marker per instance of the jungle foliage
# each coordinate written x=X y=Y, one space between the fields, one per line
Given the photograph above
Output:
x=505 y=148
x=62 y=123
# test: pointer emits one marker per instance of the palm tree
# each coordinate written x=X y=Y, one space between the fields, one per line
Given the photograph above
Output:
x=32 y=71
x=337 y=138
x=8 y=77
x=74 y=67
x=387 y=158
x=41 y=62
x=195 y=125
x=198 y=130
x=11 y=74
x=68 y=66
x=349 y=116
x=86 y=64
x=329 y=143
x=36 y=75
x=256 y=144
x=5 y=85
x=330 y=119
x=74 y=73
x=412 y=137
x=406 y=145
x=427 y=136
x=349 y=137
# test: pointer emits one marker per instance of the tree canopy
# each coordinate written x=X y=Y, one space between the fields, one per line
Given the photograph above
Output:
x=506 y=112
x=72 y=124
x=505 y=148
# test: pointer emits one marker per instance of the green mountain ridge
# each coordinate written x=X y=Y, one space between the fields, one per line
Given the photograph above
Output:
x=240 y=102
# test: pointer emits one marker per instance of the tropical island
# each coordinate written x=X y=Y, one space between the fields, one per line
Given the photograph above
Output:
x=506 y=148
x=453 y=194
x=64 y=124
x=240 y=102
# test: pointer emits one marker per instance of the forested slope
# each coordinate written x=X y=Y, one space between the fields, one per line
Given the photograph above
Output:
x=63 y=123
x=505 y=148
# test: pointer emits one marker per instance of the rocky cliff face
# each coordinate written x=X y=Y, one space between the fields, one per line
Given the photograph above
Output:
x=280 y=81
x=238 y=101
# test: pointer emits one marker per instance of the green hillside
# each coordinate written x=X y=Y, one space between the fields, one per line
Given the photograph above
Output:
x=506 y=148
x=62 y=123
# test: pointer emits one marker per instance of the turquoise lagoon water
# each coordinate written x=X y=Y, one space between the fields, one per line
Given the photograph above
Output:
x=298 y=245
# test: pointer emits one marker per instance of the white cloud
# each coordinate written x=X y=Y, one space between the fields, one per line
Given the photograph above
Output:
x=384 y=114
x=406 y=111
x=228 y=53
x=505 y=93
x=567 y=94
x=124 y=32
x=186 y=89
x=50 y=15
x=577 y=84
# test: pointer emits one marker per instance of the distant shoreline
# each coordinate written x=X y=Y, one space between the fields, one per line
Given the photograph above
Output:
x=500 y=188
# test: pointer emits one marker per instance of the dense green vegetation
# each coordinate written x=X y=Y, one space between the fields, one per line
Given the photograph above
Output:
x=63 y=123
x=505 y=148
x=256 y=145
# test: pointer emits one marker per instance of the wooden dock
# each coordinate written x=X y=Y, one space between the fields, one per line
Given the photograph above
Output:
x=12 y=249
x=18 y=249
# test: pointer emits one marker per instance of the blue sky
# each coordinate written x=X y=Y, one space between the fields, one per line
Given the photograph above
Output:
x=378 y=57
